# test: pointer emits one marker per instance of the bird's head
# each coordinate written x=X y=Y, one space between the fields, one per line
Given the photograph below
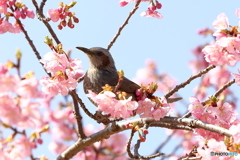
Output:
x=99 y=57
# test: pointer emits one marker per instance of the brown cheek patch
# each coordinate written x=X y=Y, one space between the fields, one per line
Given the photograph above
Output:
x=105 y=61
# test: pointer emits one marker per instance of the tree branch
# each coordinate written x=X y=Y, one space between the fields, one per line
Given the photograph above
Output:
x=78 y=116
x=182 y=85
x=124 y=24
x=42 y=18
x=110 y=130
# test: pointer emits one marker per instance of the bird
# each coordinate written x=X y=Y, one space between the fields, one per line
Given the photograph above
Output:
x=102 y=71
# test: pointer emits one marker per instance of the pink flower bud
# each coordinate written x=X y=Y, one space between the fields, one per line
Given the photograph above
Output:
x=39 y=141
x=64 y=23
x=60 y=10
x=75 y=19
x=158 y=5
x=145 y=131
x=23 y=16
x=123 y=3
x=60 y=27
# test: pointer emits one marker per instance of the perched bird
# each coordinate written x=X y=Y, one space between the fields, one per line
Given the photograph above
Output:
x=102 y=71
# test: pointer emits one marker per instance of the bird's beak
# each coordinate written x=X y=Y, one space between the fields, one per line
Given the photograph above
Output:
x=85 y=50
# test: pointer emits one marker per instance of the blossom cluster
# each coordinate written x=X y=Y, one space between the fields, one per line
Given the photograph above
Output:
x=20 y=103
x=226 y=48
x=224 y=116
x=16 y=9
x=64 y=14
x=64 y=73
x=125 y=108
x=152 y=8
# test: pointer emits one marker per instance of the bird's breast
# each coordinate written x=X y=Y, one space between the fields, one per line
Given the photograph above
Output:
x=95 y=79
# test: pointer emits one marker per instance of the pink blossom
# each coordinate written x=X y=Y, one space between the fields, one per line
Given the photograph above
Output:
x=218 y=77
x=160 y=112
x=17 y=28
x=22 y=148
x=17 y=14
x=225 y=114
x=3 y=8
x=145 y=106
x=53 y=86
x=50 y=86
x=54 y=62
x=3 y=69
x=63 y=131
x=27 y=88
x=237 y=77
x=10 y=113
x=212 y=54
x=124 y=108
x=64 y=71
x=196 y=108
x=212 y=146
x=224 y=51
x=238 y=12
x=221 y=22
x=30 y=13
x=117 y=143
x=235 y=130
x=150 y=13
x=57 y=147
x=5 y=26
x=30 y=113
x=54 y=14
x=106 y=102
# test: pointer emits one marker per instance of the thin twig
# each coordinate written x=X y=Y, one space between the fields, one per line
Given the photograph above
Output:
x=78 y=117
x=42 y=18
x=129 y=145
x=124 y=24
x=30 y=42
x=165 y=141
x=182 y=85
x=225 y=86
x=174 y=150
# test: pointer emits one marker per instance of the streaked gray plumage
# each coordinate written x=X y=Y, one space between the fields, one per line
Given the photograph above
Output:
x=102 y=71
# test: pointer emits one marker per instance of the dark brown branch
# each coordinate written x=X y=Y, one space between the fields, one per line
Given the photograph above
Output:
x=123 y=25
x=30 y=42
x=42 y=5
x=182 y=85
x=78 y=117
x=42 y=18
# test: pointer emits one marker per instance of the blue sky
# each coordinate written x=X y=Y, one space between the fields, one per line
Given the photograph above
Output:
x=167 y=41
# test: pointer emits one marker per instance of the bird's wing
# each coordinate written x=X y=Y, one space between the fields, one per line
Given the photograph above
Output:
x=128 y=86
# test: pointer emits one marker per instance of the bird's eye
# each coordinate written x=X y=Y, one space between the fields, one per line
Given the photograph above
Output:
x=99 y=53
